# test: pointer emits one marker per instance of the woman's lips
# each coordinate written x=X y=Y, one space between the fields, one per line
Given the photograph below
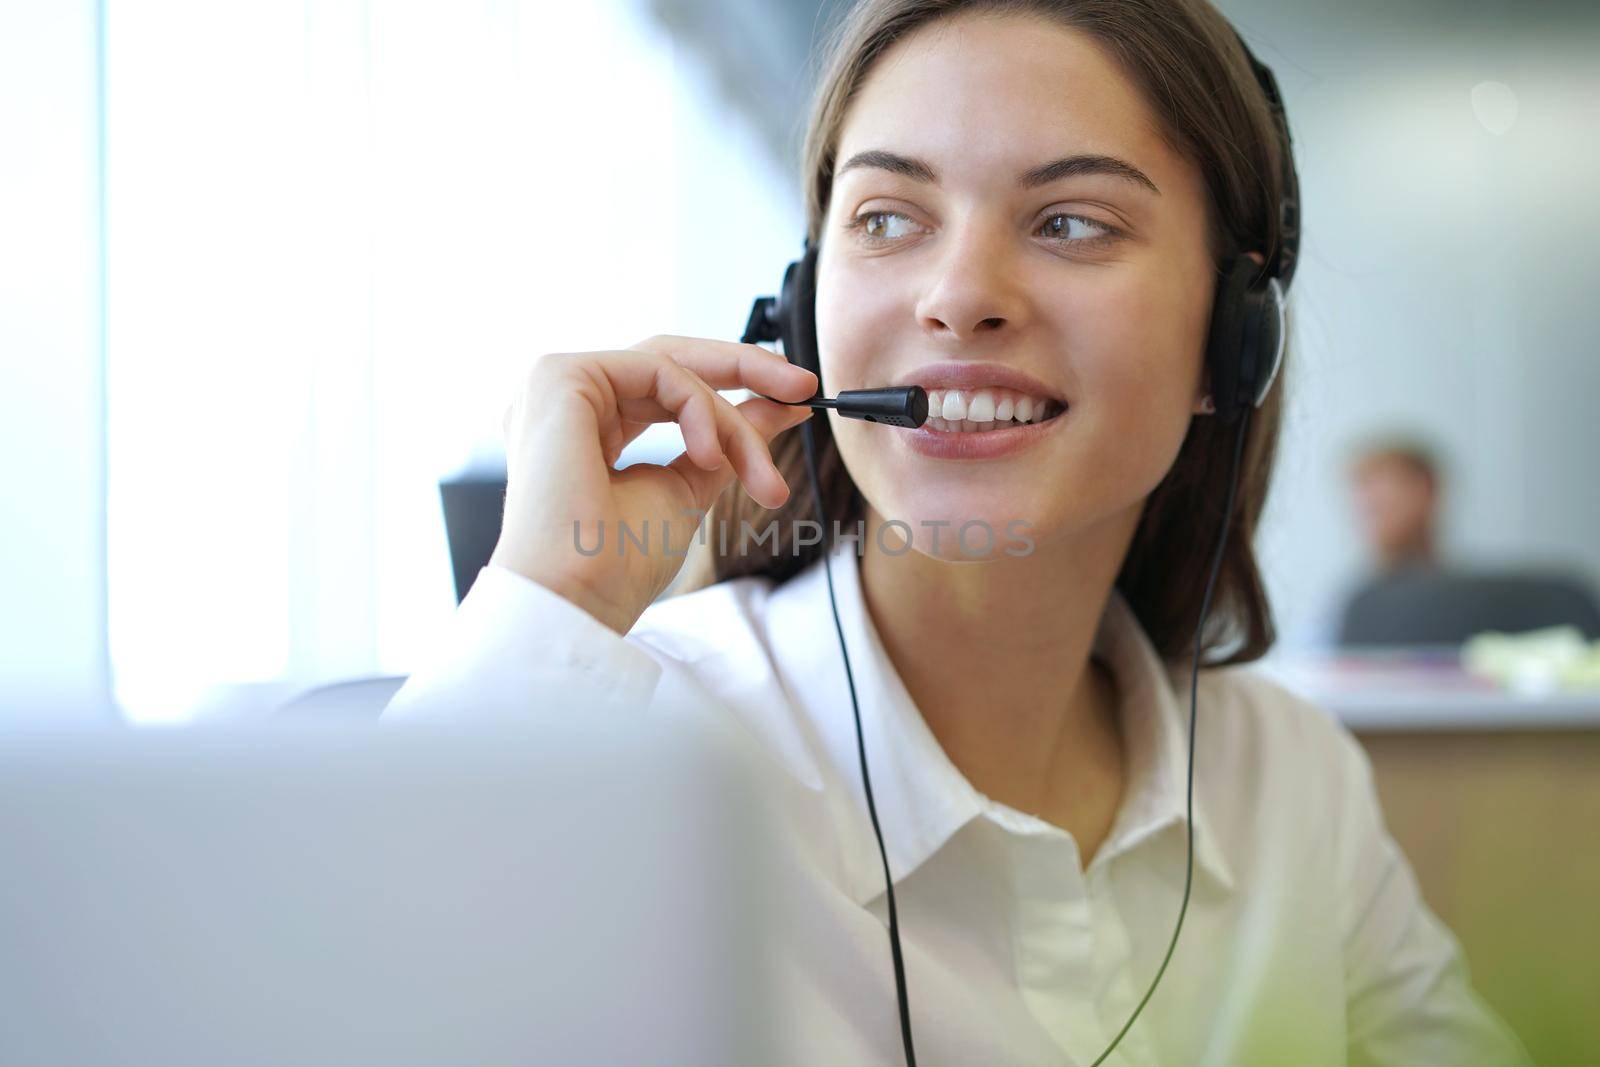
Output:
x=970 y=376
x=988 y=444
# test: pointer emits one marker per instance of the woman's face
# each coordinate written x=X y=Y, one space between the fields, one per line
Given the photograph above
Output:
x=1087 y=280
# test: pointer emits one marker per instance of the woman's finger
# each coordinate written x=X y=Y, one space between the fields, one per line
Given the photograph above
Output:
x=730 y=365
x=765 y=486
x=627 y=388
x=747 y=445
x=741 y=445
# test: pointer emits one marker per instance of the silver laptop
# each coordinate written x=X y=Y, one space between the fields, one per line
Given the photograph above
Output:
x=388 y=894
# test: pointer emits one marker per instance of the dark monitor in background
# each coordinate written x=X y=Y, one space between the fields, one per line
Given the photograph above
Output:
x=1425 y=606
x=474 y=505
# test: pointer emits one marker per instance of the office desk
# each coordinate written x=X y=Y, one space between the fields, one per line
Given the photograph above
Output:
x=1495 y=799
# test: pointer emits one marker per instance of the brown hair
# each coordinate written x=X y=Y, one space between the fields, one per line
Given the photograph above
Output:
x=1199 y=83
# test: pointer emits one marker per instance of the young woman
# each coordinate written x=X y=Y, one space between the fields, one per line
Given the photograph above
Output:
x=1024 y=698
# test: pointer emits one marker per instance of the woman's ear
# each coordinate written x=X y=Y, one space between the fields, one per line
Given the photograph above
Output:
x=1205 y=403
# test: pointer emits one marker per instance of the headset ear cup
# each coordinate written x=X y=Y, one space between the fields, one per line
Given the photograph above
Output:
x=1272 y=341
x=1245 y=347
x=1260 y=343
x=1223 y=347
x=797 y=314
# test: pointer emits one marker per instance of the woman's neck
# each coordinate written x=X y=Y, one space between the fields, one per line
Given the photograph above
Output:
x=996 y=656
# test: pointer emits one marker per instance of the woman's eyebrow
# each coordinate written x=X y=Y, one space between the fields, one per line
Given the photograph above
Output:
x=1044 y=174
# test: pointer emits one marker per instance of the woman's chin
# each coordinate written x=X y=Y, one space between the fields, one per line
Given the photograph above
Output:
x=955 y=534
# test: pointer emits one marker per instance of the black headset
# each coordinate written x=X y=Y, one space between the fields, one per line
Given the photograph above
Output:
x=1244 y=350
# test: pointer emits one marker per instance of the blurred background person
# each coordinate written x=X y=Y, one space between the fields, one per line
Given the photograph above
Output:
x=1396 y=487
x=1418 y=597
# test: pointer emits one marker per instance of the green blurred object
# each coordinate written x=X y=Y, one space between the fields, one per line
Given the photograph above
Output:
x=1548 y=660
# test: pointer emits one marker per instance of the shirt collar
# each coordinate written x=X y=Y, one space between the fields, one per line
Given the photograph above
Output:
x=922 y=799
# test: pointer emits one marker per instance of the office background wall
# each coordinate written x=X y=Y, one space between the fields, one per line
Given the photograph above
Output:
x=1450 y=250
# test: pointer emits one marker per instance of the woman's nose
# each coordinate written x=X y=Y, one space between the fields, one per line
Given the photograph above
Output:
x=971 y=290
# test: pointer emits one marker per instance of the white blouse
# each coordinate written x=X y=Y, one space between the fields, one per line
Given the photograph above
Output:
x=1306 y=941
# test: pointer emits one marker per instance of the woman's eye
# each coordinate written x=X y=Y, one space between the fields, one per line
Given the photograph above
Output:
x=873 y=225
x=1076 y=229
x=876 y=228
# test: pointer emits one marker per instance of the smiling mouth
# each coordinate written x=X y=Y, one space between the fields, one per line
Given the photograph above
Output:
x=987 y=409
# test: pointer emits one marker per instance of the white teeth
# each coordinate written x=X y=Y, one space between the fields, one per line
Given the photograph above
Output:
x=981 y=407
x=983 y=410
x=986 y=405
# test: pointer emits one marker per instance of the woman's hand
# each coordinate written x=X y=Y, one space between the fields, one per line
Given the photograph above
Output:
x=571 y=419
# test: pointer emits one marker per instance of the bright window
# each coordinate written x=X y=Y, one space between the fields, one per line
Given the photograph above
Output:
x=336 y=233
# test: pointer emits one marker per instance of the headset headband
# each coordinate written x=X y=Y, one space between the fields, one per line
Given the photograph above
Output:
x=1282 y=262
